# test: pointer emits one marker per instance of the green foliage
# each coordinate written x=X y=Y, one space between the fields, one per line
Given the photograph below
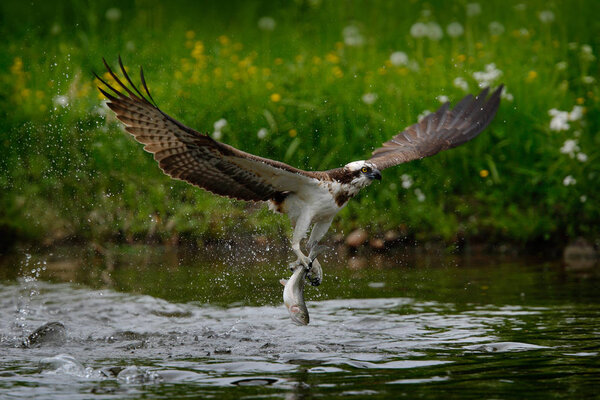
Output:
x=325 y=88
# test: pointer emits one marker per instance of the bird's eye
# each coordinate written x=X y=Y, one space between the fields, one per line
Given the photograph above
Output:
x=365 y=169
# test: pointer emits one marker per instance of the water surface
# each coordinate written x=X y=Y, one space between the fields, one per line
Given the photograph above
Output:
x=144 y=322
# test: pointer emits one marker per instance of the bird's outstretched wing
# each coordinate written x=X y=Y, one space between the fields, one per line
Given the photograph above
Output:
x=444 y=129
x=182 y=153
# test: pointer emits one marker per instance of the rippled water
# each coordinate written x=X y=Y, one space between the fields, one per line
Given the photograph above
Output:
x=149 y=323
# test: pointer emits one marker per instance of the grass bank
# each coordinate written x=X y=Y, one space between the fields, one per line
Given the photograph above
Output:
x=315 y=84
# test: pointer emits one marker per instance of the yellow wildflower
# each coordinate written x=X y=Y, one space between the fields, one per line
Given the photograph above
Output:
x=429 y=61
x=402 y=71
x=484 y=173
x=337 y=72
x=461 y=58
x=275 y=97
x=580 y=100
x=228 y=84
x=293 y=132
x=198 y=50
x=278 y=61
x=17 y=66
x=531 y=75
x=224 y=40
x=238 y=46
x=332 y=58
x=269 y=85
x=316 y=60
x=339 y=45
x=479 y=45
x=190 y=35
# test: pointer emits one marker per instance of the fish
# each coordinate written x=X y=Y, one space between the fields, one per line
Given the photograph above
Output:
x=293 y=289
x=293 y=296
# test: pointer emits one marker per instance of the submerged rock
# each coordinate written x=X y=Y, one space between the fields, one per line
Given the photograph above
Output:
x=50 y=334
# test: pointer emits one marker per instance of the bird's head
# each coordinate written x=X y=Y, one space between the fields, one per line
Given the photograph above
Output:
x=362 y=173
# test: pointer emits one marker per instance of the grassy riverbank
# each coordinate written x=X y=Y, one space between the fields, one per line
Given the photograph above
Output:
x=315 y=84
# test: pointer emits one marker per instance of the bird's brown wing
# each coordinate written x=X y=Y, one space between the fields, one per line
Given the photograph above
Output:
x=444 y=129
x=182 y=153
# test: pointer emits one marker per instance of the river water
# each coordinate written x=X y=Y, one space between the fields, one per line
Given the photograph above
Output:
x=148 y=322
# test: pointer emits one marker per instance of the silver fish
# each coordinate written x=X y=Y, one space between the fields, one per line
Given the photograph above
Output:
x=293 y=296
x=293 y=291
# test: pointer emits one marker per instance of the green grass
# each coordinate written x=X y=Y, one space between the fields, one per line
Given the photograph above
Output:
x=72 y=173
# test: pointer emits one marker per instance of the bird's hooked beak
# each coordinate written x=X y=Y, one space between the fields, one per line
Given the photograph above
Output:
x=375 y=174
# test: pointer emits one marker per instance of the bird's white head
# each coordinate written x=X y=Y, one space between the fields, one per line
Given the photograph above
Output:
x=362 y=173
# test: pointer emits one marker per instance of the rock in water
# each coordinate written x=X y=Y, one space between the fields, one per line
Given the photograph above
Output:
x=50 y=334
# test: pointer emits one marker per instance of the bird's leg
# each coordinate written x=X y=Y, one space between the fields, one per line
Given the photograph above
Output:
x=300 y=229
x=315 y=275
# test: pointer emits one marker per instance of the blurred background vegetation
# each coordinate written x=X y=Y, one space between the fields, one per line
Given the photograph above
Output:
x=314 y=83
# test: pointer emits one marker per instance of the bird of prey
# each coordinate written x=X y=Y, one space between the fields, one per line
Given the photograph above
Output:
x=309 y=198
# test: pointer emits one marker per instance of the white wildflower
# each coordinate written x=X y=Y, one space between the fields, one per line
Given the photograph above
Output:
x=569 y=180
x=587 y=53
x=488 y=76
x=369 y=98
x=561 y=65
x=588 y=80
x=407 y=181
x=352 y=36
x=461 y=83
x=266 y=24
x=113 y=14
x=569 y=147
x=420 y=195
x=559 y=121
x=523 y=32
x=398 y=58
x=413 y=65
x=546 y=16
x=217 y=135
x=434 y=31
x=443 y=98
x=582 y=157
x=572 y=45
x=583 y=198
x=505 y=95
x=496 y=28
x=418 y=30
x=262 y=133
x=220 y=124
x=423 y=115
x=576 y=113
x=454 y=29
x=473 y=9
x=62 y=101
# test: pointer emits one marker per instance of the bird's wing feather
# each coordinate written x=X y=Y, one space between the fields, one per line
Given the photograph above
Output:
x=182 y=153
x=444 y=129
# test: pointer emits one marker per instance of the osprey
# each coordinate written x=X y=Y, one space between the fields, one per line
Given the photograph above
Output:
x=309 y=198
